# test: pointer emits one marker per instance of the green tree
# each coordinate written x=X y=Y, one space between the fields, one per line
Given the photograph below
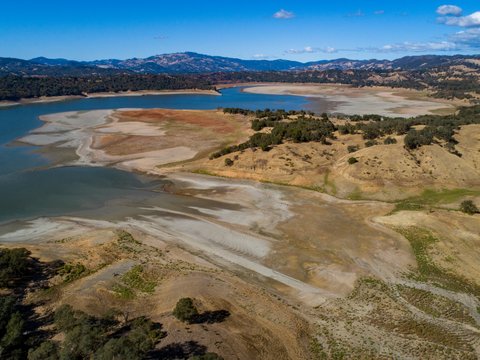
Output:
x=48 y=350
x=7 y=304
x=13 y=264
x=185 y=310
x=352 y=148
x=389 y=140
x=118 y=349
x=64 y=318
x=14 y=331
x=469 y=207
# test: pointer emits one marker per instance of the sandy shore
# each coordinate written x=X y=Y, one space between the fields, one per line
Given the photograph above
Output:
x=351 y=101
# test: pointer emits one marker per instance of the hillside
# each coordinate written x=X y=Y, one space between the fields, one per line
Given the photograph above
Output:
x=190 y=62
x=355 y=158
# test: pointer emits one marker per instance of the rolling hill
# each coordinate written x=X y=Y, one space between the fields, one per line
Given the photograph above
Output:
x=190 y=62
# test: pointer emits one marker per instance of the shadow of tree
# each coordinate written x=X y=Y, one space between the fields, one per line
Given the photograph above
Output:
x=211 y=317
x=183 y=350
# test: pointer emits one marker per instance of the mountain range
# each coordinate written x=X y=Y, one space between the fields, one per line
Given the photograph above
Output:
x=190 y=62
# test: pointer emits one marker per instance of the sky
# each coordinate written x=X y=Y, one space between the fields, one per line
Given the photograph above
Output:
x=301 y=30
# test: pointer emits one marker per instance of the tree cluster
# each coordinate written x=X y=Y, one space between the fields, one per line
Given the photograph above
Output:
x=89 y=337
x=304 y=128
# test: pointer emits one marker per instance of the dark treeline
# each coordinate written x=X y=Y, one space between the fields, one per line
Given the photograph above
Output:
x=443 y=82
x=16 y=87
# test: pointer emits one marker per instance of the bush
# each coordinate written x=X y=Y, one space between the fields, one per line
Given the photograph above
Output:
x=370 y=143
x=185 y=310
x=228 y=162
x=469 y=207
x=352 y=148
x=352 y=160
x=389 y=140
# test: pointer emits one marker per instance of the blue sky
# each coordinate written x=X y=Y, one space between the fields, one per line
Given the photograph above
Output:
x=297 y=30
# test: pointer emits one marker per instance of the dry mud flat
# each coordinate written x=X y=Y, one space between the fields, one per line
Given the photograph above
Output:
x=138 y=139
x=354 y=101
x=290 y=240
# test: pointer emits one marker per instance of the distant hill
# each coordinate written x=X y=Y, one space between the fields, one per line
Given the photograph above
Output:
x=190 y=62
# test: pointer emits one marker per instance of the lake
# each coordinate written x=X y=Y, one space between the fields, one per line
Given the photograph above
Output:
x=29 y=189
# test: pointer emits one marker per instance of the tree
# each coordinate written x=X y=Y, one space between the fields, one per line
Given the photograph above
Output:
x=14 y=332
x=185 y=310
x=389 y=140
x=7 y=304
x=64 y=318
x=352 y=160
x=228 y=162
x=469 y=207
x=13 y=264
x=48 y=350
x=118 y=349
x=352 y=148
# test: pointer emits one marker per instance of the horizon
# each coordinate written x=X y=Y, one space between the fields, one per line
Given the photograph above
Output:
x=287 y=30
x=279 y=59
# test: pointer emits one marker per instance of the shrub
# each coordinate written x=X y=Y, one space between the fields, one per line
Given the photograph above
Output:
x=370 y=143
x=352 y=148
x=389 y=140
x=469 y=207
x=72 y=272
x=185 y=310
x=352 y=160
x=228 y=162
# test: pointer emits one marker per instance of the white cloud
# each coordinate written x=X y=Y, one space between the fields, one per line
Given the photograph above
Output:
x=417 y=47
x=379 y=12
x=358 y=13
x=311 y=50
x=449 y=10
x=283 y=14
x=261 y=57
x=469 y=39
x=463 y=21
x=465 y=40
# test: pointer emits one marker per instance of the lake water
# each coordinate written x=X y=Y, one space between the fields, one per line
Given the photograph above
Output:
x=28 y=189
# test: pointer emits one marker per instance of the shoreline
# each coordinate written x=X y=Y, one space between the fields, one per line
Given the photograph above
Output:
x=350 y=100
x=49 y=99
